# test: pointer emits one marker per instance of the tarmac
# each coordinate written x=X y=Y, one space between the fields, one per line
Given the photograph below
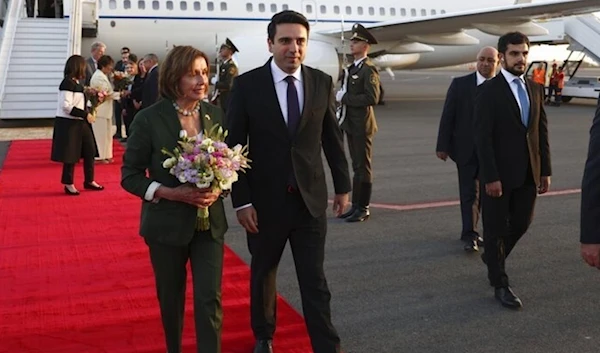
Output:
x=401 y=282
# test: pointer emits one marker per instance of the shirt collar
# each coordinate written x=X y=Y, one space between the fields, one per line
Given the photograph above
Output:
x=356 y=62
x=510 y=77
x=480 y=78
x=280 y=75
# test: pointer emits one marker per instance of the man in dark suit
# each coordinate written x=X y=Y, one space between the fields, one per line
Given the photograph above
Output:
x=358 y=96
x=286 y=112
x=590 y=198
x=455 y=139
x=511 y=137
x=150 y=91
x=98 y=50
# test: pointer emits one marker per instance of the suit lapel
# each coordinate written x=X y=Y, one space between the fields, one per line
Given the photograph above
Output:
x=509 y=95
x=531 y=104
x=170 y=119
x=270 y=98
x=473 y=90
x=309 y=92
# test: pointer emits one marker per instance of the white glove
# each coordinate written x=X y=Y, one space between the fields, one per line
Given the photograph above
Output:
x=213 y=80
x=340 y=95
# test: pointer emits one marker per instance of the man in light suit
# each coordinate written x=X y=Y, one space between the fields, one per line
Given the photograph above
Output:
x=286 y=110
x=590 y=198
x=98 y=49
x=456 y=140
x=511 y=137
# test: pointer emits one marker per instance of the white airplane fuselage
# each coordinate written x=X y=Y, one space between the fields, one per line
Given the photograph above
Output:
x=154 y=26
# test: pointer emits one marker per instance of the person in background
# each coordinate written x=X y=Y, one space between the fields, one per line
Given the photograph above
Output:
x=72 y=138
x=131 y=104
x=120 y=66
x=590 y=198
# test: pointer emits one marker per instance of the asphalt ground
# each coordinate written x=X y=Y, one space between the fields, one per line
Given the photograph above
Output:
x=401 y=282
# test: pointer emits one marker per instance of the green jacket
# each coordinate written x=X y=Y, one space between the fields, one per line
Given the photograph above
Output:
x=362 y=94
x=167 y=222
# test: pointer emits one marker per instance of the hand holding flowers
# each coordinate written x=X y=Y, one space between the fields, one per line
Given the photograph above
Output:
x=95 y=97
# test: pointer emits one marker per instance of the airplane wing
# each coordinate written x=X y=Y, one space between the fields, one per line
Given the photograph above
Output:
x=448 y=29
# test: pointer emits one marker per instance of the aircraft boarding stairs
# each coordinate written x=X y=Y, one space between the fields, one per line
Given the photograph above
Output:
x=33 y=52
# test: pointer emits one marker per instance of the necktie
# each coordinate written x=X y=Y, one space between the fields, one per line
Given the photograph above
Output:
x=293 y=110
x=524 y=101
x=293 y=106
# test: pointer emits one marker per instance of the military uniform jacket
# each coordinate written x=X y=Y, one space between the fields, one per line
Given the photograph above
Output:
x=362 y=94
x=227 y=73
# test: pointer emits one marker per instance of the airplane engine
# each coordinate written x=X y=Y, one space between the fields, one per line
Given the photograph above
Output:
x=254 y=52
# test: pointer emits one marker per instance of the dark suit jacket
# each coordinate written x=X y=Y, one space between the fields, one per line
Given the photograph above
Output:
x=590 y=188
x=504 y=145
x=254 y=116
x=150 y=90
x=90 y=68
x=168 y=222
x=456 y=134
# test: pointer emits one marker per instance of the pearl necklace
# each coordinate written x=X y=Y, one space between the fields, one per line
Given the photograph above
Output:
x=185 y=112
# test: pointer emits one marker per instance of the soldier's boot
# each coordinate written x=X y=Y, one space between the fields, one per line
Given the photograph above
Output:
x=355 y=198
x=362 y=213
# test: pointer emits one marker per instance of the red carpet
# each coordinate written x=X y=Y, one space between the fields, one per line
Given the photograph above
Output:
x=75 y=276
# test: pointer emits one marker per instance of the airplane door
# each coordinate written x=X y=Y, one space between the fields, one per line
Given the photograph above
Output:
x=309 y=9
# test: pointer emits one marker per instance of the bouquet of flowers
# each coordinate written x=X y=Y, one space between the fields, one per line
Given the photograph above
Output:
x=121 y=80
x=207 y=162
x=95 y=97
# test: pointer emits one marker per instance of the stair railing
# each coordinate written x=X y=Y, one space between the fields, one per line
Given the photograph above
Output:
x=14 y=12
x=75 y=28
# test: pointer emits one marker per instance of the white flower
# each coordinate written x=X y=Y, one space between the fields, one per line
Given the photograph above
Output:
x=182 y=178
x=182 y=134
x=207 y=142
x=201 y=185
x=169 y=162
x=210 y=149
x=208 y=176
x=226 y=184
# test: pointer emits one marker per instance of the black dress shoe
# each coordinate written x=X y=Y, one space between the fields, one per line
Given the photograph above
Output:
x=89 y=186
x=508 y=299
x=71 y=193
x=360 y=215
x=471 y=246
x=263 y=346
x=350 y=212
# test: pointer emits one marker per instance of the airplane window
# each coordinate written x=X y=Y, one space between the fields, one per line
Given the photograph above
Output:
x=141 y=5
x=183 y=5
x=284 y=7
x=197 y=5
x=112 y=4
x=308 y=8
x=423 y=12
x=348 y=10
x=261 y=7
x=169 y=5
x=433 y=12
x=336 y=10
x=249 y=7
x=413 y=12
x=210 y=6
x=127 y=4
x=393 y=11
x=382 y=11
x=323 y=9
x=155 y=5
x=273 y=8
x=371 y=11
x=443 y=12
x=403 y=12
x=360 y=10
x=223 y=6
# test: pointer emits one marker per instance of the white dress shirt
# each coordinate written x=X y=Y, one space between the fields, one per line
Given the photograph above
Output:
x=513 y=86
x=281 y=88
x=480 y=78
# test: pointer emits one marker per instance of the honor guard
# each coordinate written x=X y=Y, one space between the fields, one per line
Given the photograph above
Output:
x=227 y=72
x=359 y=94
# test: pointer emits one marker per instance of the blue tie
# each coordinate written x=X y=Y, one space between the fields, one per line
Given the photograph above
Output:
x=293 y=106
x=524 y=101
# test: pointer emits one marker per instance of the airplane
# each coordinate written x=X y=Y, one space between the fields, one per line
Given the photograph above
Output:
x=411 y=35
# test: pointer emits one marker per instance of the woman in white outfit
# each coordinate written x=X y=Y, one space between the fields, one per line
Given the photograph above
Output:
x=104 y=113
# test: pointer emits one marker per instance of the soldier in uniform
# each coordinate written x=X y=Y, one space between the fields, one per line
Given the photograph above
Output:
x=227 y=72
x=359 y=94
